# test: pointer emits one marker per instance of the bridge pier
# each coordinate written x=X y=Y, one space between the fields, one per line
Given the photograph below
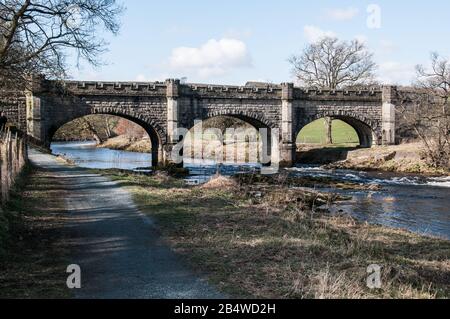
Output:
x=35 y=120
x=288 y=147
x=157 y=156
x=173 y=151
x=389 y=94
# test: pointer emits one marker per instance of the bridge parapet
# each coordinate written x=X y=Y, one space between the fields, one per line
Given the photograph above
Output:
x=269 y=92
x=109 y=88
x=369 y=94
x=161 y=89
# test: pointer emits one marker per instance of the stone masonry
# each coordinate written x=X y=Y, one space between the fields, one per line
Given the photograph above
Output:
x=161 y=108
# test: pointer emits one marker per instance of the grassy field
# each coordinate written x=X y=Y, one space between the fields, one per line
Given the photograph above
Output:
x=266 y=241
x=32 y=255
x=315 y=133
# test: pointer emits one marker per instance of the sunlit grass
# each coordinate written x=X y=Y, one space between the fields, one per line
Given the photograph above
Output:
x=315 y=133
x=273 y=245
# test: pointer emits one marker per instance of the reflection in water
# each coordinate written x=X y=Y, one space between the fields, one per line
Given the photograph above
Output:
x=87 y=155
x=412 y=202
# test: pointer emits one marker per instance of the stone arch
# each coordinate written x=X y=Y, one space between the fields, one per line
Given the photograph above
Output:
x=140 y=119
x=154 y=130
x=253 y=118
x=256 y=120
x=367 y=130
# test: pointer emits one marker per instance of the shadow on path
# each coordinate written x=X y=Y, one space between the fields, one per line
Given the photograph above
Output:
x=119 y=250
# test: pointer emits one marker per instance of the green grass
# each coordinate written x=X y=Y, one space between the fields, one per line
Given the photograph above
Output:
x=315 y=133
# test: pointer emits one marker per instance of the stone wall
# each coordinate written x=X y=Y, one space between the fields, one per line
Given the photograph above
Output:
x=13 y=104
x=162 y=107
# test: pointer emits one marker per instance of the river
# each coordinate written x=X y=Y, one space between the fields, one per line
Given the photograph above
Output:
x=416 y=203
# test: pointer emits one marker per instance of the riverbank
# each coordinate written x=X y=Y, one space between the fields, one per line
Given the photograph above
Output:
x=257 y=240
x=33 y=258
x=207 y=149
x=405 y=158
x=124 y=143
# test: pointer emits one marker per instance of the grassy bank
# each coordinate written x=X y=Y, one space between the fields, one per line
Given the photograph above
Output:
x=404 y=158
x=124 y=143
x=272 y=242
x=32 y=256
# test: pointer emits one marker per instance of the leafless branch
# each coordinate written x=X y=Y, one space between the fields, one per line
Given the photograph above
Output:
x=37 y=36
x=425 y=110
x=334 y=64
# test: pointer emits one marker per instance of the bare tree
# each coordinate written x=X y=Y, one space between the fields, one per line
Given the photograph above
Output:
x=334 y=64
x=425 y=110
x=91 y=127
x=37 y=36
x=110 y=123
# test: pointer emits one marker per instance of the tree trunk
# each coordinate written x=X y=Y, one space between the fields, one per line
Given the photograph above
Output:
x=93 y=131
x=329 y=130
x=108 y=128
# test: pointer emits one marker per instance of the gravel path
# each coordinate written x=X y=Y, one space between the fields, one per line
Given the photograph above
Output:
x=119 y=250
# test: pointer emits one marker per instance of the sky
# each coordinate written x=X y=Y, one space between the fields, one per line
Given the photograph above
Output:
x=235 y=41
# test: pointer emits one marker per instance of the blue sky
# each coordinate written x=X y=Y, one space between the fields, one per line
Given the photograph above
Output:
x=232 y=42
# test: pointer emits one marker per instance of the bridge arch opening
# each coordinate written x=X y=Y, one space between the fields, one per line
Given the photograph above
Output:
x=117 y=132
x=347 y=133
x=228 y=139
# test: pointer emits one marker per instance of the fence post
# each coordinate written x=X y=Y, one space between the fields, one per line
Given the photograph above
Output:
x=1 y=167
x=13 y=155
x=4 y=167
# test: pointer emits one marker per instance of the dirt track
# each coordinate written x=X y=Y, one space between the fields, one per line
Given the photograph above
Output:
x=119 y=250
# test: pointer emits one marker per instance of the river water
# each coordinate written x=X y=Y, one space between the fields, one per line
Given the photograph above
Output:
x=87 y=155
x=416 y=203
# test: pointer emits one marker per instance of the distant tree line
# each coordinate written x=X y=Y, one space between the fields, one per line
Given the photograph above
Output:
x=99 y=128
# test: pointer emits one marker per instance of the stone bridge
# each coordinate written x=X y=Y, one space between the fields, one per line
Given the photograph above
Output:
x=160 y=108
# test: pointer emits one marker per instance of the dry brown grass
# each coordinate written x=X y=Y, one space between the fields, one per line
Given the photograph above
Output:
x=220 y=182
x=408 y=158
x=125 y=143
x=269 y=242
x=33 y=264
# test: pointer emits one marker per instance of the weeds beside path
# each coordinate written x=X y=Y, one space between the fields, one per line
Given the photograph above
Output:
x=266 y=242
x=119 y=251
x=33 y=261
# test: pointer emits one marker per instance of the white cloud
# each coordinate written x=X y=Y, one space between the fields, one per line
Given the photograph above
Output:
x=314 y=34
x=396 y=73
x=342 y=14
x=214 y=58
